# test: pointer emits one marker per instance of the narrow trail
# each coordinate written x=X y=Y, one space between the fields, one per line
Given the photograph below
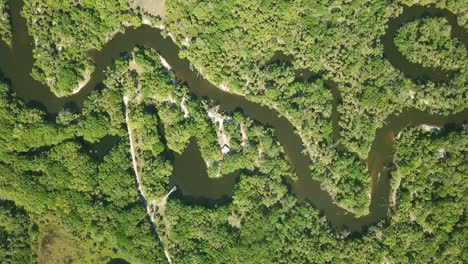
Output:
x=163 y=202
x=149 y=208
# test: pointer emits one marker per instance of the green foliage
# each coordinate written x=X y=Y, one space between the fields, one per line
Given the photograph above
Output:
x=352 y=183
x=46 y=165
x=455 y=6
x=235 y=43
x=428 y=41
x=46 y=169
x=429 y=215
x=339 y=40
x=5 y=24
x=433 y=171
x=265 y=224
x=97 y=203
x=64 y=31
x=17 y=235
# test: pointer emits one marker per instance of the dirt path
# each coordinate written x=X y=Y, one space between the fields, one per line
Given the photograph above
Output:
x=218 y=119
x=148 y=206
x=163 y=202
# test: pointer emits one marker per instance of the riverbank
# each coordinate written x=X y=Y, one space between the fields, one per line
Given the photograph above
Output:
x=305 y=188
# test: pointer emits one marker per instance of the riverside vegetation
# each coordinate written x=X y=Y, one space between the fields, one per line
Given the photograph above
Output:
x=49 y=170
x=338 y=41
x=5 y=26
x=429 y=43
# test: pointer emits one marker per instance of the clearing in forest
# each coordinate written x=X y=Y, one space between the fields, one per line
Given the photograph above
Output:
x=56 y=247
x=152 y=7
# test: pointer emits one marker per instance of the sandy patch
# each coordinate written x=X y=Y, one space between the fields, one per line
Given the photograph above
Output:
x=186 y=42
x=165 y=63
x=82 y=84
x=234 y=221
x=133 y=66
x=217 y=118
x=428 y=128
x=245 y=139
x=152 y=7
x=184 y=108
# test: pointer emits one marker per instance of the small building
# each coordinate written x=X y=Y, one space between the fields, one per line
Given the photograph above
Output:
x=442 y=154
x=225 y=149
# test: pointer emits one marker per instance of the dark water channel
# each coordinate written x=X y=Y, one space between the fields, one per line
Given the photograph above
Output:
x=118 y=261
x=190 y=170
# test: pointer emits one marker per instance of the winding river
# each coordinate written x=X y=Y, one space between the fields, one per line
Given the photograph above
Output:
x=189 y=169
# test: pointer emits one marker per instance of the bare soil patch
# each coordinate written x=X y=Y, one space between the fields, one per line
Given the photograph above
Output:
x=152 y=7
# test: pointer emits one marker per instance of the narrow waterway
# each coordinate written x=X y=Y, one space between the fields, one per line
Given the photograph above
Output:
x=190 y=171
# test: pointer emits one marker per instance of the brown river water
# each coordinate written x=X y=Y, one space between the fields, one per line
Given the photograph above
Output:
x=189 y=169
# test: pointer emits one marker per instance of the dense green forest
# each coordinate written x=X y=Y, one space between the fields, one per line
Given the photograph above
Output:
x=263 y=223
x=47 y=170
x=264 y=218
x=429 y=43
x=234 y=42
x=64 y=32
x=231 y=43
x=74 y=185
x=428 y=225
x=18 y=237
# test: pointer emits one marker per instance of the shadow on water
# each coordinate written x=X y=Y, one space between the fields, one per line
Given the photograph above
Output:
x=118 y=261
x=190 y=169
x=101 y=148
x=190 y=173
x=279 y=58
x=416 y=71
